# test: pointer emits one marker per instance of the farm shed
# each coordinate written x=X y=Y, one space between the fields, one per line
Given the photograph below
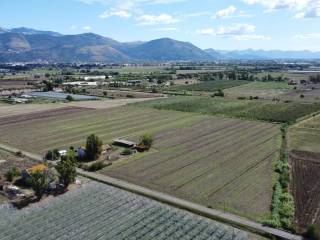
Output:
x=124 y=143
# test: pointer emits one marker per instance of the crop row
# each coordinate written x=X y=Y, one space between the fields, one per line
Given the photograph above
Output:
x=98 y=211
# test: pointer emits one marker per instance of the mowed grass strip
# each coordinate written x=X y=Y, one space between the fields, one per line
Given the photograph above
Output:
x=71 y=130
x=204 y=161
x=246 y=109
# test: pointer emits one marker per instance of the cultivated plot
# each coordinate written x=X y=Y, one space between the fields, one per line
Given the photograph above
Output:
x=306 y=187
x=246 y=109
x=98 y=211
x=265 y=90
x=217 y=162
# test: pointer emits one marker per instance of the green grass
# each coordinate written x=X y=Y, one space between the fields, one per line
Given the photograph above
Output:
x=209 y=86
x=247 y=109
x=305 y=136
x=266 y=86
x=40 y=135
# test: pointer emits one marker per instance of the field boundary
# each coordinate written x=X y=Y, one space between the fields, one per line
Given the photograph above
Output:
x=192 y=207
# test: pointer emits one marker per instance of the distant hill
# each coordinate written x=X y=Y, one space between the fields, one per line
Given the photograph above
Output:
x=26 y=44
x=251 y=54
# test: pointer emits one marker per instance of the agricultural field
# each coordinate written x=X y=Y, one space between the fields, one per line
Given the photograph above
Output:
x=303 y=95
x=71 y=126
x=11 y=110
x=120 y=93
x=208 y=86
x=246 y=109
x=221 y=163
x=265 y=90
x=99 y=211
x=190 y=151
x=306 y=188
x=305 y=136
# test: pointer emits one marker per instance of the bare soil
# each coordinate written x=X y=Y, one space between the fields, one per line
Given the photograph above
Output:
x=306 y=187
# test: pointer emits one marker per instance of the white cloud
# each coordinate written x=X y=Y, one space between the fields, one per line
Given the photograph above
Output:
x=115 y=13
x=280 y=4
x=237 y=29
x=248 y=37
x=206 y=31
x=312 y=11
x=87 y=28
x=301 y=8
x=146 y=19
x=227 y=31
x=307 y=36
x=225 y=13
x=240 y=32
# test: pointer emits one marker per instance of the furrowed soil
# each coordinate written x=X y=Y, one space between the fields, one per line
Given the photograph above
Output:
x=306 y=188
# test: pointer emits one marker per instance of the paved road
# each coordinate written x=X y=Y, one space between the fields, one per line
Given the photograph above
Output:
x=192 y=207
x=176 y=202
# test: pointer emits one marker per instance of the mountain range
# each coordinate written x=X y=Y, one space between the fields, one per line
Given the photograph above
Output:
x=25 y=45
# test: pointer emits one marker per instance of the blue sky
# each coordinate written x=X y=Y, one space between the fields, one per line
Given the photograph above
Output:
x=227 y=24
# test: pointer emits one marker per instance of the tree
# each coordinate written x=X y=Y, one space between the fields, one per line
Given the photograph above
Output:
x=39 y=182
x=146 y=140
x=69 y=98
x=67 y=172
x=93 y=147
x=52 y=155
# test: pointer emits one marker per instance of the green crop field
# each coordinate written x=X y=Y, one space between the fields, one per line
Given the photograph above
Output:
x=247 y=109
x=305 y=136
x=208 y=86
x=219 y=162
x=39 y=134
x=261 y=89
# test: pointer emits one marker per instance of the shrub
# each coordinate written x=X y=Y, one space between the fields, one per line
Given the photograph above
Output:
x=126 y=152
x=301 y=96
x=220 y=93
x=12 y=173
x=39 y=183
x=146 y=141
x=96 y=166
x=67 y=172
x=69 y=98
x=313 y=232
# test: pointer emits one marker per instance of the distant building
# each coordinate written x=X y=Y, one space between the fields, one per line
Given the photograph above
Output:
x=88 y=78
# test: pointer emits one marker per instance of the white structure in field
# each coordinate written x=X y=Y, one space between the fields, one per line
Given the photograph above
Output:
x=88 y=78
